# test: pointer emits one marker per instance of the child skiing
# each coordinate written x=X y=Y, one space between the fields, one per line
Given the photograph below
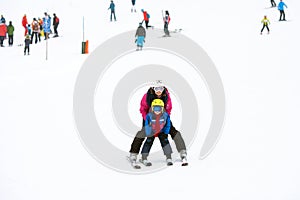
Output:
x=27 y=44
x=157 y=124
x=140 y=37
x=157 y=91
x=167 y=20
x=265 y=22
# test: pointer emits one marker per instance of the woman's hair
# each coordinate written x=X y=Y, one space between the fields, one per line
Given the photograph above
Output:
x=167 y=12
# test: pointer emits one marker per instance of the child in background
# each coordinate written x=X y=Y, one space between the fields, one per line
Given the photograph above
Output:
x=265 y=22
x=27 y=44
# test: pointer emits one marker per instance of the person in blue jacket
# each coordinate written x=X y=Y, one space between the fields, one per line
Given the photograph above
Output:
x=281 y=6
x=112 y=10
x=47 y=25
x=157 y=124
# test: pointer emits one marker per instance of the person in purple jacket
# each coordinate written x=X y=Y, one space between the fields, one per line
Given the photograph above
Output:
x=157 y=92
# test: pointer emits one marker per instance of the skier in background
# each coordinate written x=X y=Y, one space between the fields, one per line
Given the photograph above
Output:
x=47 y=25
x=140 y=37
x=281 y=6
x=3 y=31
x=273 y=4
x=265 y=22
x=133 y=6
x=146 y=18
x=27 y=42
x=2 y=20
x=112 y=10
x=167 y=20
x=10 y=32
x=157 y=124
x=55 y=24
x=24 y=24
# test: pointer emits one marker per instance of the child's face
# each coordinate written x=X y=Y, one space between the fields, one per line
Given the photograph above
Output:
x=157 y=110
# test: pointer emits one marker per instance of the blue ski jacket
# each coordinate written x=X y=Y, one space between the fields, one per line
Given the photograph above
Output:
x=164 y=121
x=112 y=7
x=281 y=5
x=46 y=24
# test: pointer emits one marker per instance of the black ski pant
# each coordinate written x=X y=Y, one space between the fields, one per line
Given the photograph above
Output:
x=166 y=29
x=26 y=49
x=273 y=3
x=164 y=142
x=282 y=14
x=1 y=40
x=37 y=36
x=111 y=14
x=10 y=40
x=141 y=135
x=147 y=24
x=265 y=25
x=55 y=29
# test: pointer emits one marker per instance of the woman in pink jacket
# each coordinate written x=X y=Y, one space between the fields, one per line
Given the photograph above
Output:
x=157 y=92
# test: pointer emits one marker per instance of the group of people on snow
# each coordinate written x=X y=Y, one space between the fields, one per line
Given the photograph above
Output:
x=39 y=27
x=266 y=22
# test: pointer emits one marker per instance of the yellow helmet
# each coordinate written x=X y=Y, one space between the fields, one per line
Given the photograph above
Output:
x=157 y=102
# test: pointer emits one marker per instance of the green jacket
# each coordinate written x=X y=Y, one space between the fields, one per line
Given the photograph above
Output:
x=10 y=30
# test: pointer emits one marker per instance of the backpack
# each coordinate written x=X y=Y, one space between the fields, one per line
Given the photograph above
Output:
x=57 y=20
x=148 y=16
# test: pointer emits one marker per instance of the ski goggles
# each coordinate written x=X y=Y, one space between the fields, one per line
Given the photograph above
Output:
x=157 y=108
x=160 y=88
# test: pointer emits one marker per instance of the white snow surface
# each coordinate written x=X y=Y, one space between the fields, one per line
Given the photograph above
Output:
x=257 y=157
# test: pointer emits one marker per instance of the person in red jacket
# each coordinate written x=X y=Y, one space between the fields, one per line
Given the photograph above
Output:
x=146 y=18
x=3 y=31
x=24 y=24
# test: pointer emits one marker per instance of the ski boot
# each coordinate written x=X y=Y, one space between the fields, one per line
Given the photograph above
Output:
x=183 y=155
x=146 y=162
x=169 y=162
x=132 y=159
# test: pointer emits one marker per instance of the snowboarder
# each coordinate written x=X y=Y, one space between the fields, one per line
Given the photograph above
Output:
x=3 y=31
x=35 y=31
x=55 y=24
x=10 y=32
x=47 y=25
x=24 y=24
x=273 y=4
x=167 y=20
x=157 y=124
x=281 y=6
x=146 y=18
x=133 y=6
x=27 y=44
x=112 y=10
x=158 y=91
x=265 y=22
x=140 y=37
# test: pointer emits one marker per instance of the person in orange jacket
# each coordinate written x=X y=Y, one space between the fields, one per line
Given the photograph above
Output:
x=24 y=24
x=3 y=31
